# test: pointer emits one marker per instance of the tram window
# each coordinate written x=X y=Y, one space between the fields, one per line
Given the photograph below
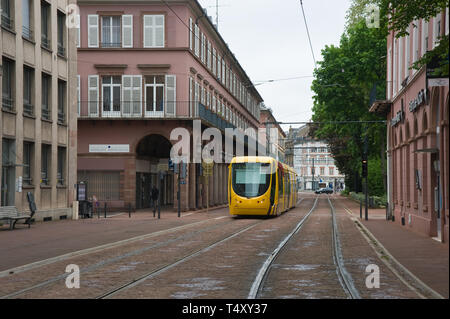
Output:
x=250 y=179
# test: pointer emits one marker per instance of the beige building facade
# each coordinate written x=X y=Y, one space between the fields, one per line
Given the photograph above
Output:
x=38 y=118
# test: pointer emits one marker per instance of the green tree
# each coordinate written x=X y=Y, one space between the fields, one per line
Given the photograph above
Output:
x=342 y=86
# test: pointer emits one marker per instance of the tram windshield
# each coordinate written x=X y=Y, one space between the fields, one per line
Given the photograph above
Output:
x=251 y=179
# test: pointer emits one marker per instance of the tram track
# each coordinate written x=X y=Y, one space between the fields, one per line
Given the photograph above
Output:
x=343 y=276
x=264 y=270
x=121 y=257
x=161 y=270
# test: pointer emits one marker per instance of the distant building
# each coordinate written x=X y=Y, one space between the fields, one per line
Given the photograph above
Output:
x=273 y=134
x=38 y=120
x=417 y=112
x=314 y=163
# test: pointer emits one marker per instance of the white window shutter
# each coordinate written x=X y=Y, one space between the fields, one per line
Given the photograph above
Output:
x=148 y=31
x=127 y=98
x=79 y=94
x=190 y=95
x=137 y=95
x=93 y=96
x=171 y=95
x=159 y=31
x=78 y=31
x=197 y=40
x=190 y=33
x=93 y=31
x=127 y=31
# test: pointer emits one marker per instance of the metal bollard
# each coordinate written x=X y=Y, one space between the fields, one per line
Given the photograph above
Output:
x=105 y=210
x=129 y=210
x=360 y=209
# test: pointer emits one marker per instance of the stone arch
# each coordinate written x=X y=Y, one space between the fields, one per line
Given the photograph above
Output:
x=153 y=146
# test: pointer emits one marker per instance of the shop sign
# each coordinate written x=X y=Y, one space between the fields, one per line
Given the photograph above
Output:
x=420 y=100
x=398 y=117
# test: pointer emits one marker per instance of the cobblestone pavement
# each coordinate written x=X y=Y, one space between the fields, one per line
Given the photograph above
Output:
x=206 y=256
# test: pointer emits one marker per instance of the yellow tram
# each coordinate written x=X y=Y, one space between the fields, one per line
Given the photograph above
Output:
x=260 y=186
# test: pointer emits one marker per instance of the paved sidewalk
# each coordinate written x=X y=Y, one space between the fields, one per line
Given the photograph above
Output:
x=426 y=258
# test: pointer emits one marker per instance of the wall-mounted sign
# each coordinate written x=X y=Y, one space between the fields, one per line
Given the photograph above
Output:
x=398 y=117
x=109 y=148
x=421 y=99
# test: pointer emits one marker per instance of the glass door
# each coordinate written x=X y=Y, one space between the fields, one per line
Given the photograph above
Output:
x=111 y=87
x=154 y=96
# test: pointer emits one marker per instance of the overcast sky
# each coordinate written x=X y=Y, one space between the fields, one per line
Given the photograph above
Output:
x=269 y=39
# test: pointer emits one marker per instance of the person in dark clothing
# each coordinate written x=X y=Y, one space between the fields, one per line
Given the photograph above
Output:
x=155 y=196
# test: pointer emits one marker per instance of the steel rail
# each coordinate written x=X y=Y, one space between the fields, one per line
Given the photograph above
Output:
x=263 y=271
x=166 y=267
x=344 y=276
x=114 y=259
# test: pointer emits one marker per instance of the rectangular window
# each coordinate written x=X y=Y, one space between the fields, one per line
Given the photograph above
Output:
x=331 y=171
x=111 y=88
x=28 y=85
x=62 y=86
x=27 y=29
x=45 y=24
x=7 y=14
x=424 y=37
x=436 y=29
x=154 y=28
x=60 y=175
x=111 y=28
x=46 y=96
x=61 y=34
x=8 y=84
x=154 y=95
x=46 y=157
x=415 y=40
x=322 y=171
x=28 y=161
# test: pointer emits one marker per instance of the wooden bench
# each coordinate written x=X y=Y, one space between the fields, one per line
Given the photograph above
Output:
x=11 y=215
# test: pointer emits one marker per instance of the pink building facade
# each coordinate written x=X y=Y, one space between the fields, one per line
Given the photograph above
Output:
x=144 y=69
x=417 y=109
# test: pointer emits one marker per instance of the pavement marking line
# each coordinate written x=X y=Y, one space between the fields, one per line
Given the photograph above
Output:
x=78 y=253
x=383 y=252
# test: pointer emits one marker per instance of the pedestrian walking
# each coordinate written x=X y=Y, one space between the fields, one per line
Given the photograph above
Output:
x=155 y=196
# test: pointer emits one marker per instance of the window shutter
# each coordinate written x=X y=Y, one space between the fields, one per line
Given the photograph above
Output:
x=171 y=95
x=190 y=33
x=197 y=40
x=190 y=95
x=93 y=31
x=93 y=95
x=127 y=98
x=148 y=31
x=159 y=31
x=137 y=95
x=127 y=31
x=79 y=94
x=78 y=31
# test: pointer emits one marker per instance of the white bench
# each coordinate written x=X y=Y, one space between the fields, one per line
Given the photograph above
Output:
x=11 y=215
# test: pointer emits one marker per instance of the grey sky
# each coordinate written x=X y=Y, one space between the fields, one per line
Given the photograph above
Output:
x=269 y=39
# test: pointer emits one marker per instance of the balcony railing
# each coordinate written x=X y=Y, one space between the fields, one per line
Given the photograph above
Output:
x=7 y=103
x=27 y=33
x=28 y=109
x=7 y=22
